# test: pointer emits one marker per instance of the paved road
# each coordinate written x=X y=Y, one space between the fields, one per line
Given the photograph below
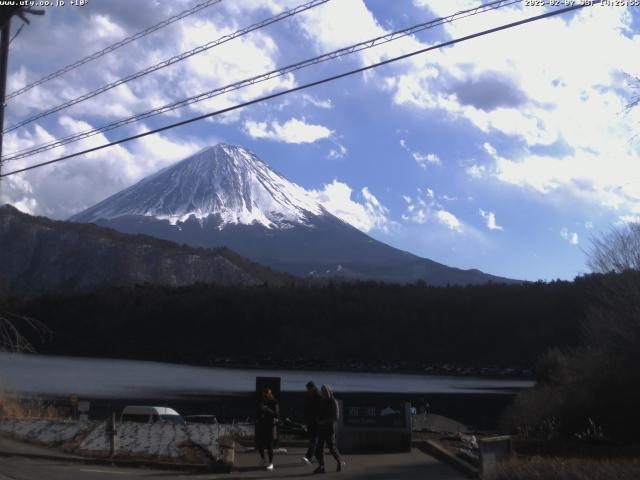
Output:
x=409 y=466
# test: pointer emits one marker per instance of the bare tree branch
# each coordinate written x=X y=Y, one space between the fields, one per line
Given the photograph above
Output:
x=12 y=332
x=617 y=251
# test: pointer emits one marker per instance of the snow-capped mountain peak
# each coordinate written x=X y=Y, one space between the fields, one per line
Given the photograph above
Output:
x=225 y=181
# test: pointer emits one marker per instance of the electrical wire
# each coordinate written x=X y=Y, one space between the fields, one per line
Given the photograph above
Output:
x=307 y=85
x=169 y=61
x=30 y=151
x=113 y=47
x=15 y=35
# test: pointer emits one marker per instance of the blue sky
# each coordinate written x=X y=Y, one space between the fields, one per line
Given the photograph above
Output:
x=505 y=153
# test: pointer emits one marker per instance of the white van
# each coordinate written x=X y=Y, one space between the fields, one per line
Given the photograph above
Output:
x=145 y=414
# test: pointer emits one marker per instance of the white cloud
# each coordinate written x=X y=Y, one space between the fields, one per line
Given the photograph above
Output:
x=450 y=220
x=538 y=95
x=230 y=62
x=588 y=225
x=244 y=57
x=490 y=219
x=588 y=175
x=571 y=237
x=317 y=102
x=424 y=160
x=490 y=149
x=27 y=205
x=64 y=188
x=423 y=208
x=338 y=24
x=417 y=211
x=476 y=171
x=421 y=159
x=366 y=215
x=106 y=29
x=339 y=152
x=419 y=216
x=292 y=131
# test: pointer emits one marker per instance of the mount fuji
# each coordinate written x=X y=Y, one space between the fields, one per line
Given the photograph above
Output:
x=226 y=196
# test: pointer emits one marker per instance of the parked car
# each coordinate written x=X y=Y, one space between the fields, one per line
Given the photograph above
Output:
x=146 y=414
x=208 y=419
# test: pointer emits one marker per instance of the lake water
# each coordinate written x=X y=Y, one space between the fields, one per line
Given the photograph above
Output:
x=106 y=378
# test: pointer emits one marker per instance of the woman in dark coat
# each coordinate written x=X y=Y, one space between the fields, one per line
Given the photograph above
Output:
x=327 y=417
x=267 y=426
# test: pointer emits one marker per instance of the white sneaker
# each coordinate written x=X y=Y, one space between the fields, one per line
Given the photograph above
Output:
x=306 y=460
x=270 y=466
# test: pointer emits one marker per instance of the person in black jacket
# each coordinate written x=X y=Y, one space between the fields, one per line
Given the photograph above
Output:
x=267 y=426
x=311 y=412
x=327 y=418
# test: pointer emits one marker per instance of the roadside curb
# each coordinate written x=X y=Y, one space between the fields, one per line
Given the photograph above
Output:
x=442 y=454
x=193 y=467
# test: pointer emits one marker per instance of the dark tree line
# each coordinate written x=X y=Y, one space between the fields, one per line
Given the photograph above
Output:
x=372 y=323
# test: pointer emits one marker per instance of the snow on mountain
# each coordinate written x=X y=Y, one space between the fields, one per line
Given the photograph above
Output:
x=225 y=181
x=226 y=196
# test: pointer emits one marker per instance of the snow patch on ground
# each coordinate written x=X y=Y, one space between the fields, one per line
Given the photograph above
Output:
x=161 y=439
x=47 y=432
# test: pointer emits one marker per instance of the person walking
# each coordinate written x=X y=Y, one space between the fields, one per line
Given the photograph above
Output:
x=311 y=411
x=327 y=417
x=267 y=426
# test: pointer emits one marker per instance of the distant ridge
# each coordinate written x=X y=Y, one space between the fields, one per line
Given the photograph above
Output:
x=39 y=254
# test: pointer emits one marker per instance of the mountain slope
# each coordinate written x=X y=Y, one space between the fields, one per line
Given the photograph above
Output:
x=39 y=254
x=226 y=196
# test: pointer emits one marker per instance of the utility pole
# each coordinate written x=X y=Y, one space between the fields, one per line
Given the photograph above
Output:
x=4 y=61
x=6 y=13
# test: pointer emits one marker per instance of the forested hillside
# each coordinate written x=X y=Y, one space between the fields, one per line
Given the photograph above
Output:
x=334 y=325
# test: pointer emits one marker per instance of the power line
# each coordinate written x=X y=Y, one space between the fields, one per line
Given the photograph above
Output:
x=170 y=61
x=115 y=46
x=262 y=77
x=307 y=85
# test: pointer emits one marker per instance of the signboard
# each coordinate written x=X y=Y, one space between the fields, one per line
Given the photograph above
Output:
x=84 y=406
x=378 y=425
x=374 y=415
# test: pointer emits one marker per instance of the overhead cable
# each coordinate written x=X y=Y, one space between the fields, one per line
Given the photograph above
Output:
x=306 y=86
